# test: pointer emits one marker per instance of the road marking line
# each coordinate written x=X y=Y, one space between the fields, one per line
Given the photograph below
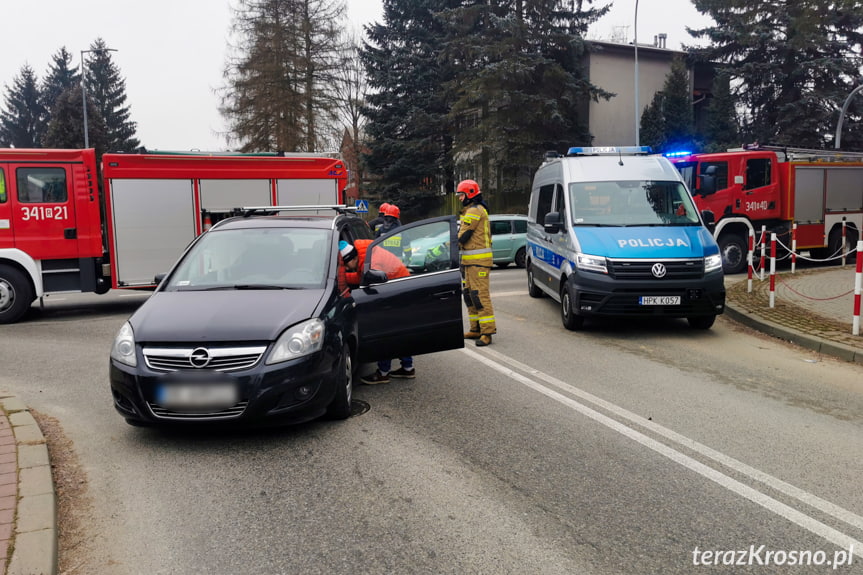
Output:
x=508 y=293
x=814 y=526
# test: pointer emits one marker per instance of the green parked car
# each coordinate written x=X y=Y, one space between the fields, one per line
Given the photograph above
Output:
x=508 y=238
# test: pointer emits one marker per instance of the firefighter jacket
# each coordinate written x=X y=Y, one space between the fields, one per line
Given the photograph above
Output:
x=381 y=260
x=474 y=237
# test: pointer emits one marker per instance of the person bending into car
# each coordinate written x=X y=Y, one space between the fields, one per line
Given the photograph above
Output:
x=474 y=240
x=354 y=257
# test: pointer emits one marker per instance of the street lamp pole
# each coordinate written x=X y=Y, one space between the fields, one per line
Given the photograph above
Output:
x=635 y=44
x=84 y=89
x=838 y=139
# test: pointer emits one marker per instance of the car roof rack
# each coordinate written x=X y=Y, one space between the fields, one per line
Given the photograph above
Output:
x=273 y=210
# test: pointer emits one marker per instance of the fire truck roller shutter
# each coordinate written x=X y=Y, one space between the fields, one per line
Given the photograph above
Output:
x=311 y=192
x=219 y=197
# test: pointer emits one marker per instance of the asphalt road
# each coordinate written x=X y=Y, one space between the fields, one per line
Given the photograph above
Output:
x=626 y=448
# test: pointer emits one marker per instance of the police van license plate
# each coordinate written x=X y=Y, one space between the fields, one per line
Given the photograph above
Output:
x=659 y=300
x=197 y=396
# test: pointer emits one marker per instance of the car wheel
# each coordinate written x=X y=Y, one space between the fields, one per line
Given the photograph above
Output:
x=532 y=290
x=733 y=249
x=571 y=320
x=16 y=295
x=502 y=265
x=520 y=257
x=340 y=407
x=701 y=322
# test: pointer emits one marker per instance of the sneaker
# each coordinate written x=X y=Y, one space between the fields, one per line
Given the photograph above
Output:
x=404 y=373
x=483 y=341
x=375 y=378
x=472 y=335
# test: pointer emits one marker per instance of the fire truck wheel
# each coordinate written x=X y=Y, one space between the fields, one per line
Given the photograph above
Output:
x=733 y=249
x=16 y=295
x=834 y=244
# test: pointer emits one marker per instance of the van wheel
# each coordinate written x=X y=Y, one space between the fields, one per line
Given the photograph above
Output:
x=16 y=295
x=733 y=249
x=571 y=320
x=340 y=407
x=520 y=257
x=532 y=290
x=701 y=322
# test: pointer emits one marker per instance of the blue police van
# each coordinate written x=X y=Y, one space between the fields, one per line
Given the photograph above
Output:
x=614 y=232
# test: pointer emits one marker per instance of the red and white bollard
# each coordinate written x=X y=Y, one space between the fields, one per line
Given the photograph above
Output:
x=858 y=282
x=749 y=256
x=772 y=270
x=793 y=247
x=763 y=242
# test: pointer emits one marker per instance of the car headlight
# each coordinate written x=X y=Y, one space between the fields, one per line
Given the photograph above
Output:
x=123 y=349
x=297 y=341
x=591 y=263
x=712 y=263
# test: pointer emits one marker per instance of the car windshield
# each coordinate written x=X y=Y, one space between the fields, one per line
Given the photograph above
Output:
x=255 y=258
x=632 y=203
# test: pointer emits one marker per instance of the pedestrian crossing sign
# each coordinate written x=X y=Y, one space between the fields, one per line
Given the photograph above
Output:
x=362 y=206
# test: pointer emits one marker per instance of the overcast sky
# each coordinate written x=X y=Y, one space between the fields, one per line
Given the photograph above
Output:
x=172 y=52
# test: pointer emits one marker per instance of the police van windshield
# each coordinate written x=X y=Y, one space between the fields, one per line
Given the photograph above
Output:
x=631 y=203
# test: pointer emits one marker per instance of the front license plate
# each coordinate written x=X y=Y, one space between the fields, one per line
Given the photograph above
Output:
x=197 y=396
x=659 y=300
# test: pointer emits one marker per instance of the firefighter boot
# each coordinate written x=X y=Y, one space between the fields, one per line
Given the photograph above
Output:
x=472 y=335
x=483 y=341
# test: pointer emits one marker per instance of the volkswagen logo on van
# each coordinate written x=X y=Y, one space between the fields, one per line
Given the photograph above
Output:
x=200 y=357
x=658 y=270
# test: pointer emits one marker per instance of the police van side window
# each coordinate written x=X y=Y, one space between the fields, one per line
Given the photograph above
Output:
x=560 y=203
x=544 y=202
x=41 y=185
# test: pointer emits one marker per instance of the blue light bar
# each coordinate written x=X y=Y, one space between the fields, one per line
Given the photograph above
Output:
x=678 y=154
x=616 y=150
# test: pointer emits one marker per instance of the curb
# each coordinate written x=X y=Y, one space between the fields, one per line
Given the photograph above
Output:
x=814 y=343
x=34 y=540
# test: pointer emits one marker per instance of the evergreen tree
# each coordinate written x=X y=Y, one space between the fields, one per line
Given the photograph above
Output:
x=792 y=63
x=22 y=123
x=409 y=128
x=721 y=131
x=677 y=108
x=652 y=128
x=279 y=94
x=66 y=127
x=107 y=88
x=61 y=78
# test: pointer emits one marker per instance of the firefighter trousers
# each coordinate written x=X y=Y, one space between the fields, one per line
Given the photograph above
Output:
x=477 y=297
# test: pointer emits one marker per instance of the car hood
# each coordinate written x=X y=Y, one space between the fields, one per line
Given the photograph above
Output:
x=646 y=241
x=236 y=315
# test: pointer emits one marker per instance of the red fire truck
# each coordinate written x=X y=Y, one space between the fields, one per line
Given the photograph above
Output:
x=777 y=187
x=60 y=233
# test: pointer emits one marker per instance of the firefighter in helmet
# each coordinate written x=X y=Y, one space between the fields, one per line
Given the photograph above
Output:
x=474 y=240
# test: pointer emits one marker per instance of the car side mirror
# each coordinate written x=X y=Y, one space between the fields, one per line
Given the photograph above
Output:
x=709 y=220
x=159 y=277
x=374 y=277
x=552 y=223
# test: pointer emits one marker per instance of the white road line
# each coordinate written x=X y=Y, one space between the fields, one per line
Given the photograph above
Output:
x=798 y=518
x=508 y=293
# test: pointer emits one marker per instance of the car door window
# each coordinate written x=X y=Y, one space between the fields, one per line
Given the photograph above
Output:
x=500 y=227
x=426 y=247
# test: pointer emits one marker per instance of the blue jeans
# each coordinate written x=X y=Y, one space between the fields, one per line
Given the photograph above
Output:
x=386 y=365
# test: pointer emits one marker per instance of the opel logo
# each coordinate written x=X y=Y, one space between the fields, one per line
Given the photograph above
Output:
x=658 y=270
x=200 y=357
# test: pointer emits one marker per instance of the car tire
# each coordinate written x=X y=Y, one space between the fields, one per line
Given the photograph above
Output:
x=502 y=265
x=532 y=290
x=733 y=249
x=520 y=257
x=16 y=294
x=340 y=407
x=701 y=322
x=571 y=320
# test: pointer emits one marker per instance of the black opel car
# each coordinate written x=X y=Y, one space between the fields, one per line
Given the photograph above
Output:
x=255 y=322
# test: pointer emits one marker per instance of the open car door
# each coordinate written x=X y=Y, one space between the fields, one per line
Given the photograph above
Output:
x=420 y=312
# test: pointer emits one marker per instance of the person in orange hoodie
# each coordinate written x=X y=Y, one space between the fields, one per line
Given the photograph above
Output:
x=354 y=257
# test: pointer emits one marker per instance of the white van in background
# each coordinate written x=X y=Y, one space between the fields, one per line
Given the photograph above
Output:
x=614 y=232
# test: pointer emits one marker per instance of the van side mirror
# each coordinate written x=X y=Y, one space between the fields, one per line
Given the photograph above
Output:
x=374 y=277
x=708 y=181
x=553 y=222
x=709 y=220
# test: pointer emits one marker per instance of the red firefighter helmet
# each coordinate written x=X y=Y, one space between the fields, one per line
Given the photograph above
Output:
x=393 y=210
x=469 y=188
x=382 y=209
